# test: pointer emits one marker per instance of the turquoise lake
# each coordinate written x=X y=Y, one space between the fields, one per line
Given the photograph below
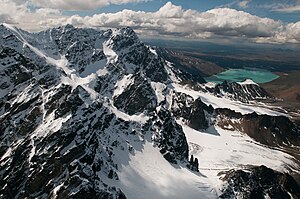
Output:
x=238 y=75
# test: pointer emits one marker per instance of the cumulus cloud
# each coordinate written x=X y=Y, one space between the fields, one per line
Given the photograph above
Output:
x=289 y=34
x=172 y=20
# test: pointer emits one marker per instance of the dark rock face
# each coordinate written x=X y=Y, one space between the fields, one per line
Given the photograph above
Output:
x=259 y=183
x=194 y=164
x=282 y=130
x=124 y=39
x=186 y=73
x=153 y=66
x=23 y=80
x=71 y=103
x=60 y=95
x=81 y=47
x=197 y=119
x=241 y=92
x=139 y=54
x=169 y=136
x=268 y=130
x=137 y=98
x=71 y=157
x=298 y=97
x=193 y=111
x=181 y=105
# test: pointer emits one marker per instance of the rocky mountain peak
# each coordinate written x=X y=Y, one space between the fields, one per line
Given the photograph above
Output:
x=77 y=105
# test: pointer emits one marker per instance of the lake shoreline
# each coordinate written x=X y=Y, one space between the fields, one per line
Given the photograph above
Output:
x=239 y=75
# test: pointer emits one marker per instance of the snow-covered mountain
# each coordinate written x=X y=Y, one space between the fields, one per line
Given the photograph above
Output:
x=99 y=114
x=245 y=91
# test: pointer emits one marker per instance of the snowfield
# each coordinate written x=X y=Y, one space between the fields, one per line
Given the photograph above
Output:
x=148 y=175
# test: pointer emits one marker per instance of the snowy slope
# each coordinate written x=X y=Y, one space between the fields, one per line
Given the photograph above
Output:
x=149 y=175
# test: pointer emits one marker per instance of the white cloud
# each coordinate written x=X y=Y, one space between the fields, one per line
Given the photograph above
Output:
x=47 y=11
x=293 y=31
x=169 y=20
x=10 y=11
x=170 y=11
x=287 y=34
x=17 y=12
x=173 y=20
x=283 y=7
x=288 y=9
x=244 y=4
